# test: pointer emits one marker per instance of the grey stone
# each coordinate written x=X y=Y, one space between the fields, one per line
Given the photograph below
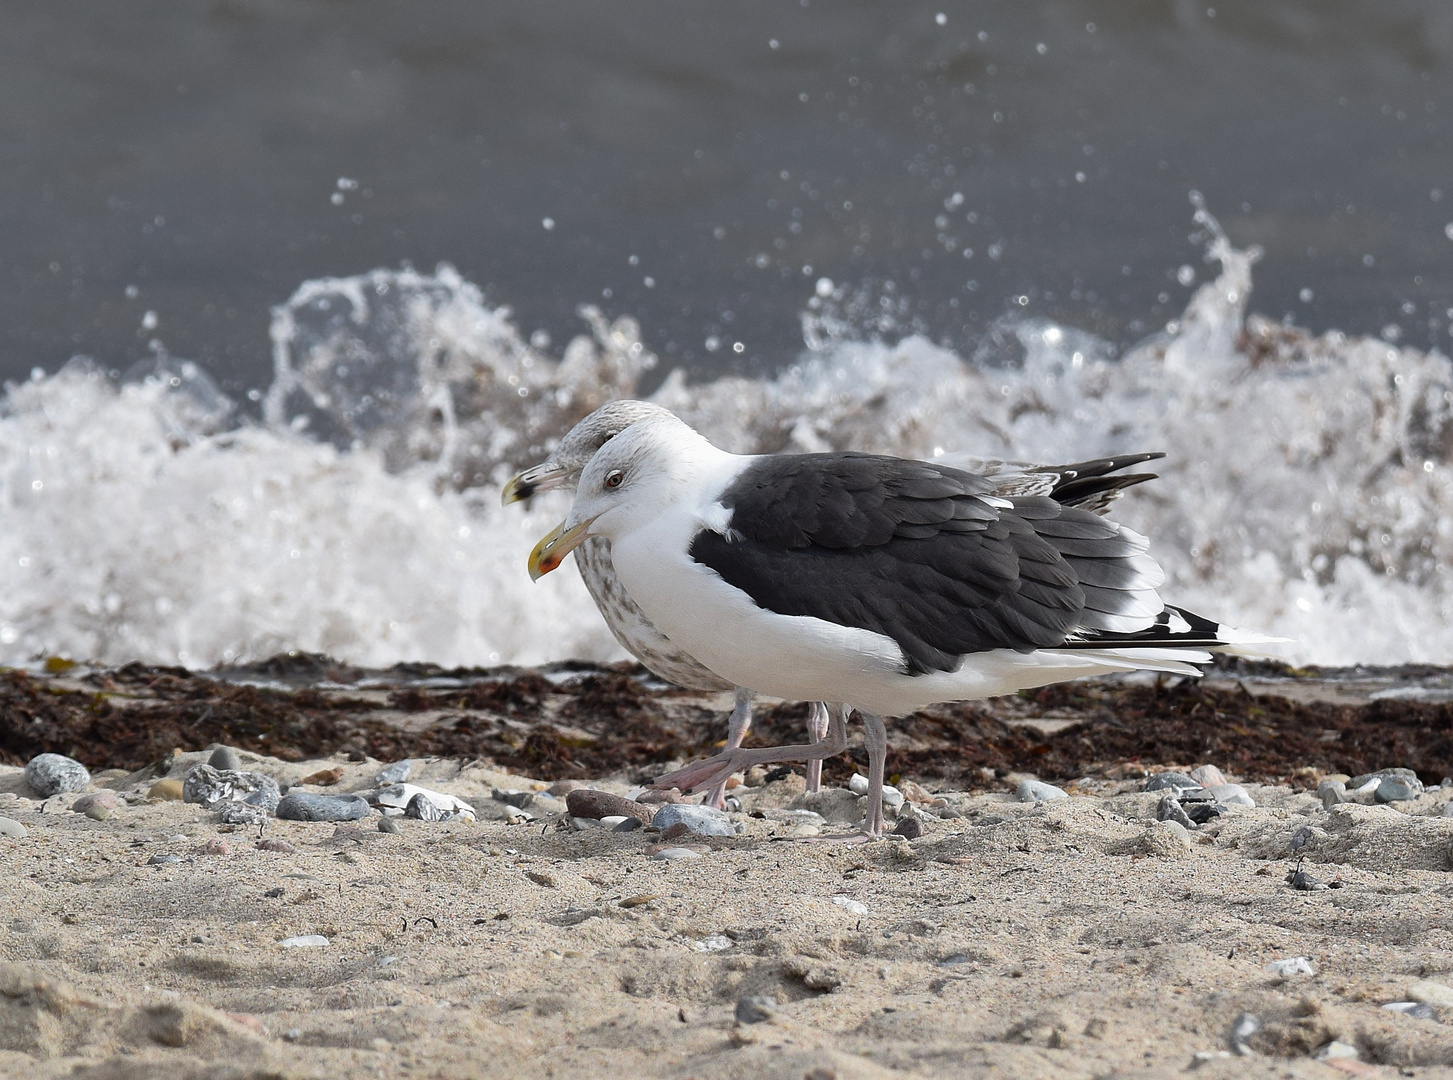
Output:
x=1169 y=809
x=909 y=826
x=12 y=828
x=1038 y=791
x=303 y=806
x=1421 y=1010
x=208 y=787
x=225 y=759
x=1448 y=809
x=388 y=825
x=675 y=854
x=422 y=808
x=518 y=799
x=163 y=860
x=1382 y=774
x=1231 y=795
x=590 y=803
x=1170 y=780
x=1331 y=792
x=1304 y=882
x=1301 y=838
x=756 y=1009
x=1208 y=776
x=1397 y=789
x=701 y=820
x=396 y=773
x=236 y=813
x=51 y=774
x=629 y=824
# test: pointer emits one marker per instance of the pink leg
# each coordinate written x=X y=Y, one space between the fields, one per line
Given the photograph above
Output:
x=716 y=769
x=875 y=739
x=737 y=728
x=817 y=729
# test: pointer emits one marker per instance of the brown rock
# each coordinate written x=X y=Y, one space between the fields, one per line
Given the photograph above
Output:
x=563 y=787
x=103 y=798
x=589 y=803
x=676 y=832
x=216 y=847
x=170 y=790
x=281 y=846
x=324 y=777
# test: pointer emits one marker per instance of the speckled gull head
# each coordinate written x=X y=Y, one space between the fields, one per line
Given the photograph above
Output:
x=563 y=467
x=653 y=465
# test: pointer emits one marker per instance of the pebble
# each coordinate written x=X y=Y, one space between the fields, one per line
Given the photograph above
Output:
x=398 y=797
x=100 y=813
x=909 y=827
x=304 y=941
x=1301 y=838
x=590 y=803
x=672 y=854
x=216 y=847
x=847 y=903
x=1292 y=965
x=1202 y=812
x=324 y=777
x=1208 y=776
x=163 y=860
x=303 y=806
x=701 y=820
x=1418 y=1009
x=166 y=790
x=225 y=759
x=107 y=799
x=1165 y=839
x=236 y=813
x=12 y=828
x=422 y=808
x=510 y=797
x=52 y=774
x=757 y=1009
x=1169 y=809
x=1432 y=993
x=1331 y=792
x=209 y=786
x=1304 y=882
x=388 y=825
x=1037 y=791
x=713 y=943
x=1370 y=781
x=629 y=824
x=1397 y=789
x=561 y=788
x=1231 y=794
x=1170 y=780
x=892 y=797
x=396 y=773
x=282 y=847
x=1336 y=1050
x=1448 y=810
x=1242 y=1029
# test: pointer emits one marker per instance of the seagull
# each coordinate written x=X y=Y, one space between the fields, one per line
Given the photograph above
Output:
x=1088 y=484
x=879 y=584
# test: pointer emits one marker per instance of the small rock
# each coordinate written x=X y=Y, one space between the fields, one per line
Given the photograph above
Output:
x=208 y=787
x=1174 y=780
x=1331 y=792
x=52 y=774
x=422 y=808
x=909 y=826
x=1337 y=1051
x=104 y=798
x=1370 y=781
x=274 y=893
x=1202 y=812
x=1432 y=993
x=166 y=791
x=803 y=832
x=518 y=799
x=1037 y=791
x=304 y=941
x=672 y=854
x=713 y=943
x=1419 y=1010
x=1169 y=809
x=225 y=759
x=100 y=813
x=1243 y=1028
x=397 y=797
x=629 y=824
x=163 y=860
x=834 y=804
x=757 y=1009
x=1301 y=838
x=1230 y=794
x=216 y=847
x=12 y=828
x=1293 y=965
x=303 y=806
x=639 y=900
x=701 y=820
x=324 y=777
x=892 y=797
x=396 y=773
x=1302 y=881
x=1164 y=840
x=590 y=803
x=561 y=788
x=539 y=877
x=847 y=903
x=237 y=813
x=1208 y=776
x=1448 y=810
x=1397 y=789
x=388 y=825
x=282 y=847
x=756 y=776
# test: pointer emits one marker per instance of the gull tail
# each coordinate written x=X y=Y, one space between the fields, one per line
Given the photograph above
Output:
x=1177 y=637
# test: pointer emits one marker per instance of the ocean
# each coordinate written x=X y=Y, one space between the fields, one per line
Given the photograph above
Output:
x=292 y=289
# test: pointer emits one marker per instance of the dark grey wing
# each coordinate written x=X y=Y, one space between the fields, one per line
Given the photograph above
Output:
x=1090 y=485
x=926 y=555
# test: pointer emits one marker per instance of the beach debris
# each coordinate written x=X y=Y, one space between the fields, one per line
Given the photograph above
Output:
x=1331 y=792
x=166 y=791
x=387 y=825
x=1243 y=1028
x=52 y=774
x=305 y=806
x=1304 y=835
x=225 y=759
x=756 y=1009
x=594 y=804
x=164 y=860
x=1419 y=1010
x=13 y=829
x=304 y=941
x=1177 y=781
x=847 y=903
x=675 y=854
x=1208 y=776
x=1169 y=809
x=1292 y=965
x=395 y=799
x=396 y=773
x=208 y=787
x=1036 y=791
x=701 y=820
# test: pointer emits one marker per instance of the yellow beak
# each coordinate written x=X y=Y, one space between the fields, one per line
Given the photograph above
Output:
x=531 y=482
x=554 y=546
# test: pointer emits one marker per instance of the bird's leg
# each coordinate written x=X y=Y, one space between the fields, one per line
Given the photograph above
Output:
x=875 y=738
x=737 y=728
x=717 y=768
x=816 y=728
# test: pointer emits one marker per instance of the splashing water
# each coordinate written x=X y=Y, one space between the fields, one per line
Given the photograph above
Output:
x=1306 y=493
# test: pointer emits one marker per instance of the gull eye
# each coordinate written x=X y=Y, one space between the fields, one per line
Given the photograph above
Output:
x=613 y=478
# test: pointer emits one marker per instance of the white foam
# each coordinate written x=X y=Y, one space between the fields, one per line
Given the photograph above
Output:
x=1307 y=493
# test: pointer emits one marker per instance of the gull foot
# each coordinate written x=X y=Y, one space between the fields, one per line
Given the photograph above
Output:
x=704 y=773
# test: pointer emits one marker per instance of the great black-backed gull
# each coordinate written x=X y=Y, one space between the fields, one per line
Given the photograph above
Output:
x=882 y=584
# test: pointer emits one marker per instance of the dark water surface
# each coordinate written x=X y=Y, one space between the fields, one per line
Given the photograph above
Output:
x=701 y=165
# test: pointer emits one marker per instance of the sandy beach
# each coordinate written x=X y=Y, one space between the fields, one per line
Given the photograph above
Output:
x=1078 y=937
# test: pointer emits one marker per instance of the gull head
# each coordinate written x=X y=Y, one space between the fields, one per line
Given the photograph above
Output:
x=563 y=467
x=652 y=466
